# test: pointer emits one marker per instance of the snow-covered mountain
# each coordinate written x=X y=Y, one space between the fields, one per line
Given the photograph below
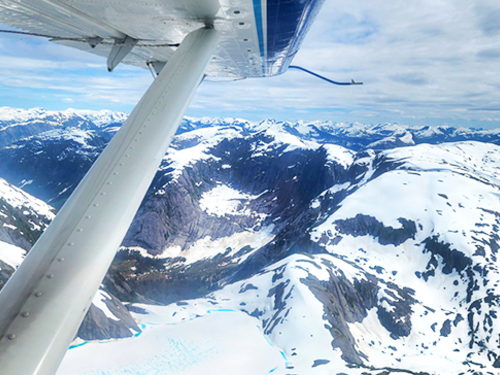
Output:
x=50 y=165
x=22 y=117
x=22 y=217
x=318 y=248
x=16 y=124
x=73 y=139
x=22 y=220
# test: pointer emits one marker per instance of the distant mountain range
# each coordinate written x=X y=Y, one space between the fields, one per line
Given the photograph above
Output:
x=354 y=249
x=16 y=124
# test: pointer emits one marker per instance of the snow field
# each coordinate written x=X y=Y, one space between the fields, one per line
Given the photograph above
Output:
x=223 y=200
x=11 y=254
x=206 y=248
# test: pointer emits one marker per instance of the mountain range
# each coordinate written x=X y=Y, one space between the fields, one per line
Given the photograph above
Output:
x=315 y=247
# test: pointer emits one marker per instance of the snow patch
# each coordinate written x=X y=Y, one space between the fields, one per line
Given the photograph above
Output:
x=21 y=200
x=99 y=302
x=11 y=254
x=206 y=248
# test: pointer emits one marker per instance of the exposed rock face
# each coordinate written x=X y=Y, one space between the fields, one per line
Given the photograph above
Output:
x=111 y=320
x=394 y=311
x=344 y=302
x=363 y=225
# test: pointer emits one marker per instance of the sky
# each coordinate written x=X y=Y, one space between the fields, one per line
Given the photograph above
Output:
x=422 y=62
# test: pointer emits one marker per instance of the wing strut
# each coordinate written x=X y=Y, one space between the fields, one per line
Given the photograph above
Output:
x=44 y=302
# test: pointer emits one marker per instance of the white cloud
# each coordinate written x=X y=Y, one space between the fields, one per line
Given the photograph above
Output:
x=421 y=61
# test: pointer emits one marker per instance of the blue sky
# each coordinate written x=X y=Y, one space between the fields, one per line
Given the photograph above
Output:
x=422 y=62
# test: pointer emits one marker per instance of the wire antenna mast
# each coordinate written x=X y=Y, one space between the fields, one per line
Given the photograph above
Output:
x=324 y=78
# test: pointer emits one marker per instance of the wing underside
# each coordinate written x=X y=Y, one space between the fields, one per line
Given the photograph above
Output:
x=259 y=38
x=44 y=302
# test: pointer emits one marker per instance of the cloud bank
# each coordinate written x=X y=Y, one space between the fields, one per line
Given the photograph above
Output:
x=422 y=62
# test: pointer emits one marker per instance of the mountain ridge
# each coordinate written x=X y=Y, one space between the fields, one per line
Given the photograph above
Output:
x=340 y=132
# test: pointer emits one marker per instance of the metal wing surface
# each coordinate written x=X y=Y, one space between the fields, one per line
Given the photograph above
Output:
x=259 y=38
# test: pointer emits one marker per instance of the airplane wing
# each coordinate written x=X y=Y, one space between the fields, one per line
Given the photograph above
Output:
x=44 y=302
x=259 y=38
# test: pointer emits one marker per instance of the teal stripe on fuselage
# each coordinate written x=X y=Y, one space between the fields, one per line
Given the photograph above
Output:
x=257 y=9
